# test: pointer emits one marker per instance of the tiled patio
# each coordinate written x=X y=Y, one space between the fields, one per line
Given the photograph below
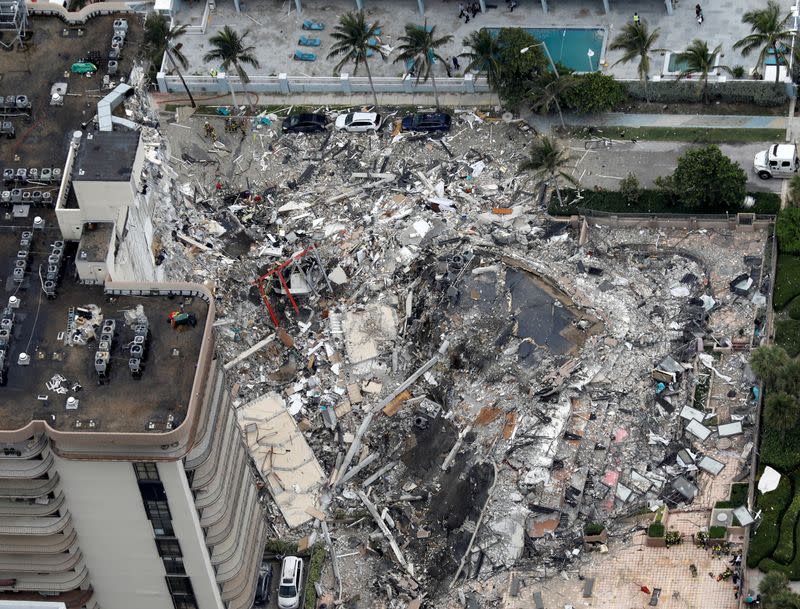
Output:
x=275 y=28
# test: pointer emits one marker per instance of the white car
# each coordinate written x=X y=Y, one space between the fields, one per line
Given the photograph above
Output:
x=358 y=122
x=289 y=587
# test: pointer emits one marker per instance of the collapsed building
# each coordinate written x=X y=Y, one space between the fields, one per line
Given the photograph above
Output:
x=437 y=381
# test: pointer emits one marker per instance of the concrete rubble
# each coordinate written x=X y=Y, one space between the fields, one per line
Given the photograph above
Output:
x=571 y=369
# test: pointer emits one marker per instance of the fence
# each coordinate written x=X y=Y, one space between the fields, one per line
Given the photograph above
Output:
x=285 y=84
x=739 y=221
x=82 y=16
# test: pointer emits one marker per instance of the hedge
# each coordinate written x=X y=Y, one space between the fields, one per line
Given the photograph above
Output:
x=656 y=529
x=650 y=202
x=784 y=551
x=787 y=281
x=794 y=309
x=757 y=92
x=717 y=532
x=773 y=505
x=787 y=335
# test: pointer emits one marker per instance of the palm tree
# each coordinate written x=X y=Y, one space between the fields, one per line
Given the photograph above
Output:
x=547 y=161
x=781 y=411
x=419 y=45
x=354 y=39
x=699 y=60
x=483 y=55
x=772 y=583
x=635 y=40
x=158 y=41
x=546 y=91
x=230 y=50
x=767 y=362
x=769 y=30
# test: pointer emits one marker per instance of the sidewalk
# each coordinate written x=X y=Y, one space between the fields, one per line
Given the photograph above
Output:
x=618 y=119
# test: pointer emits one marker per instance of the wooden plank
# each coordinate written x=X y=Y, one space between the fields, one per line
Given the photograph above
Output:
x=392 y=407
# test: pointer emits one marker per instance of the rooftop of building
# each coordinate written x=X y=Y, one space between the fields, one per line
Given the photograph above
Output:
x=95 y=241
x=61 y=338
x=106 y=156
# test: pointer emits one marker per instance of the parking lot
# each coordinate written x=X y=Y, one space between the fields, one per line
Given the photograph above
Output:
x=605 y=167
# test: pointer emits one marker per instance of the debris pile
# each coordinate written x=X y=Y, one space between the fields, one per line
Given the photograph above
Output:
x=462 y=386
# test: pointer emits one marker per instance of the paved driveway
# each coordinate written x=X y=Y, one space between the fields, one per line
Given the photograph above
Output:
x=648 y=160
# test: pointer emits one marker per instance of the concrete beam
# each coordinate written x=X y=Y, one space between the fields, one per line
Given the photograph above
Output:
x=421 y=4
x=544 y=6
x=236 y=4
x=483 y=6
x=668 y=4
x=299 y=6
x=608 y=9
x=360 y=5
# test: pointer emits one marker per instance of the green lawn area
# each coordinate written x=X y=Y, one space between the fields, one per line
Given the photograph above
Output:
x=787 y=335
x=683 y=134
x=787 y=282
x=765 y=540
x=650 y=202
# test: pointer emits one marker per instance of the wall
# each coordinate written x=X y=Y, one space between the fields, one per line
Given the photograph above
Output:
x=114 y=534
x=70 y=221
x=104 y=201
x=187 y=528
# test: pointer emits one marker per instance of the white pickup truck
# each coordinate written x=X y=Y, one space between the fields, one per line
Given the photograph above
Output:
x=778 y=161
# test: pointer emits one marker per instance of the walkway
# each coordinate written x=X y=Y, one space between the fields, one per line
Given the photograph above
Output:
x=702 y=121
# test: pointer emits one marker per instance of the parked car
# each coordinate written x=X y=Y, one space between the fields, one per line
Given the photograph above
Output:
x=304 y=123
x=291 y=579
x=264 y=584
x=429 y=122
x=358 y=122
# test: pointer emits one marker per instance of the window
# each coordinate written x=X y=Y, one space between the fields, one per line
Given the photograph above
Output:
x=168 y=547
x=184 y=603
x=158 y=513
x=180 y=586
x=173 y=565
x=146 y=471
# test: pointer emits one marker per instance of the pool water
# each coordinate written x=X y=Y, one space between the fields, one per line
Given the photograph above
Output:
x=570 y=46
x=678 y=65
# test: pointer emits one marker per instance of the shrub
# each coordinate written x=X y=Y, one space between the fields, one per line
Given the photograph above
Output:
x=717 y=532
x=794 y=309
x=280 y=546
x=314 y=573
x=787 y=229
x=738 y=72
x=772 y=505
x=630 y=189
x=656 y=529
x=794 y=190
x=755 y=92
x=765 y=203
x=787 y=335
x=593 y=528
x=784 y=551
x=518 y=70
x=594 y=92
x=708 y=181
x=673 y=538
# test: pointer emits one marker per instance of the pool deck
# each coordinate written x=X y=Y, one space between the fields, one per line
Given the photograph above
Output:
x=275 y=29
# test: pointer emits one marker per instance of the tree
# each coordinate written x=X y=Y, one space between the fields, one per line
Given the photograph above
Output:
x=785 y=599
x=787 y=229
x=482 y=55
x=158 y=42
x=781 y=412
x=419 y=45
x=794 y=190
x=548 y=160
x=788 y=378
x=772 y=584
x=707 y=180
x=766 y=363
x=770 y=33
x=522 y=62
x=635 y=40
x=228 y=47
x=594 y=93
x=547 y=90
x=354 y=40
x=630 y=189
x=699 y=60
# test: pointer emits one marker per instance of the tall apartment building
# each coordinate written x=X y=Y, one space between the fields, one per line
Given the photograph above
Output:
x=124 y=480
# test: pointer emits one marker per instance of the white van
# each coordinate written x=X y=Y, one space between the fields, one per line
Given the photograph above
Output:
x=289 y=586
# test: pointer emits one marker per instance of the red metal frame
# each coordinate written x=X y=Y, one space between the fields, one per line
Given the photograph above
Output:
x=269 y=275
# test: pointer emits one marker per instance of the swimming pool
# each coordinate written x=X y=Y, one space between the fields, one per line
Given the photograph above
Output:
x=571 y=46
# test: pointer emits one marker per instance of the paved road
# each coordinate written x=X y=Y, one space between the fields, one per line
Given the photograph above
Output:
x=648 y=160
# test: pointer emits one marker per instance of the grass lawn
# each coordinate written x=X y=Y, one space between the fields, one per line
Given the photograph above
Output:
x=787 y=335
x=787 y=282
x=684 y=134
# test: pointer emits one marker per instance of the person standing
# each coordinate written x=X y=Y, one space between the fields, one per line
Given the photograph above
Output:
x=700 y=18
x=455 y=63
x=697 y=10
x=461 y=10
x=636 y=19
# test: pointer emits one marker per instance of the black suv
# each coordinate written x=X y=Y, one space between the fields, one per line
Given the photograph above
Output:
x=264 y=584
x=434 y=121
x=304 y=123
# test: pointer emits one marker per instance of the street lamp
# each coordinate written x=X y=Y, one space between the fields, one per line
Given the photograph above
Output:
x=547 y=52
x=590 y=54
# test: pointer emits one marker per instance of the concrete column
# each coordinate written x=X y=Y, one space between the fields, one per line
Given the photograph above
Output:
x=161 y=79
x=483 y=6
x=469 y=83
x=283 y=82
x=408 y=84
x=668 y=4
x=344 y=82
x=421 y=4
x=360 y=5
x=544 y=6
x=236 y=4
x=607 y=8
x=299 y=6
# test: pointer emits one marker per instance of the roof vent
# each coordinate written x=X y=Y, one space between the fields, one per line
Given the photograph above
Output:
x=24 y=359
